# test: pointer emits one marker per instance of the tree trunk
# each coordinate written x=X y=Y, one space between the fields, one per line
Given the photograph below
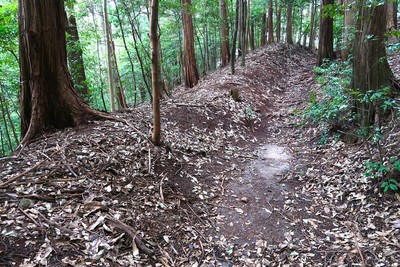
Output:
x=248 y=25
x=155 y=72
x=252 y=44
x=270 y=23
x=263 y=27
x=371 y=71
x=190 y=68
x=48 y=99
x=278 y=22
x=225 y=54
x=349 y=14
x=243 y=27
x=202 y=55
x=109 y=56
x=391 y=18
x=4 y=105
x=139 y=57
x=301 y=25
x=100 y=71
x=206 y=50
x=235 y=34
x=312 y=22
x=128 y=53
x=75 y=58
x=3 y=115
x=289 y=25
x=325 y=46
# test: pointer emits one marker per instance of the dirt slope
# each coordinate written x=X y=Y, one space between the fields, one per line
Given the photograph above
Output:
x=234 y=184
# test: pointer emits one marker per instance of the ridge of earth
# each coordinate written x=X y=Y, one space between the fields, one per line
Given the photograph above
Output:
x=235 y=183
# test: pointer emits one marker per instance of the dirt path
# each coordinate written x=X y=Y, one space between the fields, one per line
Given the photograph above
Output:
x=233 y=184
x=255 y=216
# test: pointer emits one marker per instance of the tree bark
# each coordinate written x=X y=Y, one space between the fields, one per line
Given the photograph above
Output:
x=235 y=34
x=75 y=58
x=156 y=136
x=312 y=22
x=270 y=23
x=243 y=33
x=128 y=53
x=3 y=115
x=349 y=23
x=289 y=24
x=48 y=99
x=248 y=25
x=263 y=27
x=371 y=71
x=109 y=56
x=100 y=71
x=190 y=68
x=325 y=46
x=251 y=36
x=278 y=21
x=391 y=18
x=301 y=24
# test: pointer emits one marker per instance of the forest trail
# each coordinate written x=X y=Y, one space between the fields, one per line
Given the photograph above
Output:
x=234 y=184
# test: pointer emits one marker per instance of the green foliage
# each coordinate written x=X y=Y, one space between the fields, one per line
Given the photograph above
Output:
x=385 y=172
x=9 y=78
x=250 y=113
x=333 y=107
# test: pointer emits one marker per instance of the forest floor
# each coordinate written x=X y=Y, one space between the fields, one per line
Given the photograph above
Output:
x=235 y=183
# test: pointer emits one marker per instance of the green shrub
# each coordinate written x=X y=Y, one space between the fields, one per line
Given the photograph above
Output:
x=334 y=107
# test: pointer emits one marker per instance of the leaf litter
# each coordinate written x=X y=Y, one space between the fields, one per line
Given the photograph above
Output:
x=103 y=195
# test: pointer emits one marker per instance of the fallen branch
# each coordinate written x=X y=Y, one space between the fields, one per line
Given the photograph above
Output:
x=16 y=177
x=30 y=218
x=137 y=131
x=56 y=225
x=130 y=231
x=193 y=105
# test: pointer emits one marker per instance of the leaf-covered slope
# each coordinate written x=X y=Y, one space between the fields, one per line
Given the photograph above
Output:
x=103 y=195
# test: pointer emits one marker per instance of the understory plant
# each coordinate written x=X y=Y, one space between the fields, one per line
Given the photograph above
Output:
x=332 y=108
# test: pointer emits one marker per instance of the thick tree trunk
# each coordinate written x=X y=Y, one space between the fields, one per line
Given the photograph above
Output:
x=75 y=58
x=263 y=27
x=155 y=72
x=248 y=25
x=371 y=71
x=349 y=14
x=251 y=36
x=48 y=99
x=270 y=23
x=189 y=58
x=391 y=18
x=325 y=45
x=289 y=24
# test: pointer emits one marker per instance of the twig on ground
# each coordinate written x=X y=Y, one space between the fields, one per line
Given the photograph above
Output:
x=30 y=218
x=56 y=225
x=16 y=177
x=131 y=232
